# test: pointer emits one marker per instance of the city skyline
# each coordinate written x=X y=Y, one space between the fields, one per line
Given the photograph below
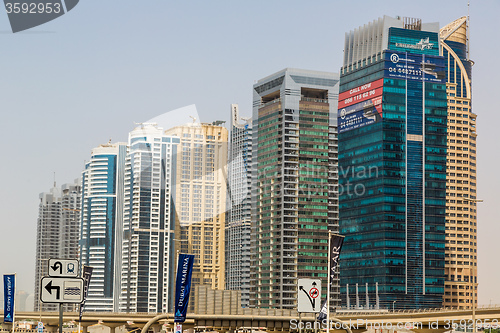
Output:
x=40 y=179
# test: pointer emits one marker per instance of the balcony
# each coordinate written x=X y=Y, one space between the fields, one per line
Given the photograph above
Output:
x=274 y=101
x=314 y=100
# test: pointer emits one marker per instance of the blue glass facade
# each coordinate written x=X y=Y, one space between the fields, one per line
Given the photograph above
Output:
x=100 y=229
x=392 y=178
x=107 y=241
x=454 y=73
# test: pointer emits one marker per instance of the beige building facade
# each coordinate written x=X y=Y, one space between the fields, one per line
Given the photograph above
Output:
x=200 y=199
x=461 y=184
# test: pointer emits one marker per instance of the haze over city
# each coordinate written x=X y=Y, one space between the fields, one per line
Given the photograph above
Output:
x=91 y=75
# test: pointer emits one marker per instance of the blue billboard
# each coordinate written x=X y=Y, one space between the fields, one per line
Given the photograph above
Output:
x=9 y=287
x=360 y=114
x=418 y=67
x=183 y=286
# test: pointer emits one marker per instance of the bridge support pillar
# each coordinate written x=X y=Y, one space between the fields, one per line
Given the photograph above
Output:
x=112 y=326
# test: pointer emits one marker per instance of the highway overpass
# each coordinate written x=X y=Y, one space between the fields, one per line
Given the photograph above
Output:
x=276 y=320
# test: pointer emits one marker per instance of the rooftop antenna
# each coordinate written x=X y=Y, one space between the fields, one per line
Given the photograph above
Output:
x=194 y=118
x=109 y=142
x=468 y=27
x=54 y=179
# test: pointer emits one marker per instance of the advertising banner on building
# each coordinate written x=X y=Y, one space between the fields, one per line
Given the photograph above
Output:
x=86 y=274
x=360 y=114
x=417 y=67
x=183 y=286
x=9 y=290
x=362 y=93
x=360 y=106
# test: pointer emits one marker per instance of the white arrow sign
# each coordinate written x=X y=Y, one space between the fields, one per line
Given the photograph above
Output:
x=309 y=295
x=61 y=290
x=63 y=267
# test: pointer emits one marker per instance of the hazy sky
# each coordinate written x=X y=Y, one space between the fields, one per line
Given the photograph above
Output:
x=76 y=82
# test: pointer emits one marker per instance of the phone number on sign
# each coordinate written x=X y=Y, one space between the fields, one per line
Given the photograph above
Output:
x=32 y=8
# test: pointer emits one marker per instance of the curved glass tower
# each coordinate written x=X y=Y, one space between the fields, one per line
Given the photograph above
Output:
x=101 y=224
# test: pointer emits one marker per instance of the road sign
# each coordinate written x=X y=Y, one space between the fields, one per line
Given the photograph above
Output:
x=61 y=290
x=63 y=267
x=309 y=295
x=178 y=328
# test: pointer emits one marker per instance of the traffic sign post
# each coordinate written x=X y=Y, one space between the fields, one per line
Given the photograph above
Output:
x=62 y=286
x=61 y=290
x=309 y=296
x=63 y=268
x=178 y=328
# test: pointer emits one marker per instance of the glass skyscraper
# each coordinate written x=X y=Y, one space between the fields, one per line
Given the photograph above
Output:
x=147 y=275
x=238 y=217
x=102 y=224
x=294 y=198
x=392 y=161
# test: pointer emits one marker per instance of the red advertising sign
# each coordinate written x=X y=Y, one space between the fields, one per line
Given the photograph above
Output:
x=361 y=93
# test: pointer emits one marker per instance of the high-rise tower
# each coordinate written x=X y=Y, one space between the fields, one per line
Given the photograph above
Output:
x=293 y=183
x=200 y=200
x=57 y=233
x=392 y=157
x=148 y=259
x=238 y=219
x=461 y=214
x=102 y=224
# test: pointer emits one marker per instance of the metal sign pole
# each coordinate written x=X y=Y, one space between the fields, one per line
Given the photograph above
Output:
x=14 y=305
x=300 y=322
x=78 y=307
x=328 y=280
x=60 y=318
